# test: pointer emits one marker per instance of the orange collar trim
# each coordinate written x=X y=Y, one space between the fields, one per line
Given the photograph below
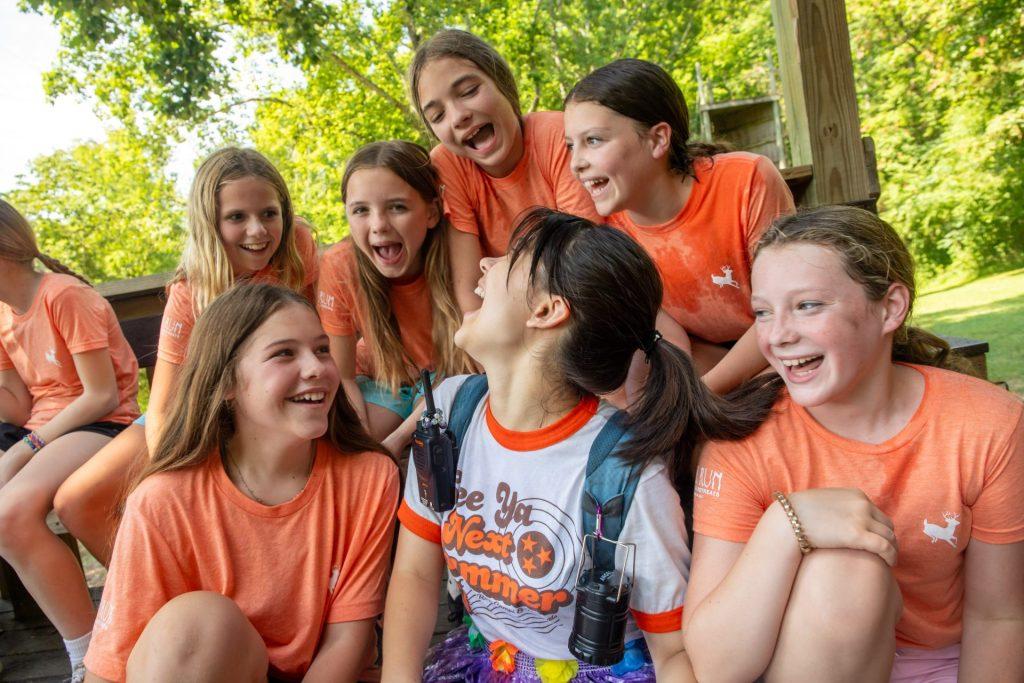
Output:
x=546 y=436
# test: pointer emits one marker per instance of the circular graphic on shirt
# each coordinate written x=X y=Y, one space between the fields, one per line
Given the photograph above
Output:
x=535 y=554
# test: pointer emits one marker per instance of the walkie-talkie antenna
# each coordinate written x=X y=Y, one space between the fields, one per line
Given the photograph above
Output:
x=428 y=395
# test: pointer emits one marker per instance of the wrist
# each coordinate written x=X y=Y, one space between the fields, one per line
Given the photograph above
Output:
x=796 y=528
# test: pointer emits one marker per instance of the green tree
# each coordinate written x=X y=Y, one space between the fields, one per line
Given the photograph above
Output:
x=107 y=210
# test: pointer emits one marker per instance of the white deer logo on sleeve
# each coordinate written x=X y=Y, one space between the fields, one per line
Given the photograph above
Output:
x=725 y=279
x=943 y=533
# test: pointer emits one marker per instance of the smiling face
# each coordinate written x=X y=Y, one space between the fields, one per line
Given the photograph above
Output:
x=389 y=220
x=250 y=223
x=615 y=163
x=815 y=324
x=470 y=116
x=498 y=327
x=285 y=378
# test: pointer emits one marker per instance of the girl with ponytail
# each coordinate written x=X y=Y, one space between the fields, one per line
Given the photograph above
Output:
x=563 y=315
x=911 y=571
x=68 y=382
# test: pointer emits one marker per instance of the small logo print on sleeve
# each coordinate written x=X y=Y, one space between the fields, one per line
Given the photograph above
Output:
x=709 y=482
x=325 y=301
x=172 y=328
x=51 y=357
x=945 y=533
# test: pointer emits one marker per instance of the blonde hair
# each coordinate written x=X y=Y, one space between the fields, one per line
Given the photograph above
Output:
x=204 y=261
x=18 y=242
x=874 y=256
x=411 y=163
x=200 y=417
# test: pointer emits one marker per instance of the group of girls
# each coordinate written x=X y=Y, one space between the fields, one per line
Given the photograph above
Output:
x=851 y=519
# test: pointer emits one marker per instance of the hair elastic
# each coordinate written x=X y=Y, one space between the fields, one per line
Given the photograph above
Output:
x=648 y=347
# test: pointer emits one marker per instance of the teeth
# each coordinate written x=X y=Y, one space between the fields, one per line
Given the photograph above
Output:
x=799 y=361
x=254 y=247
x=312 y=397
x=479 y=291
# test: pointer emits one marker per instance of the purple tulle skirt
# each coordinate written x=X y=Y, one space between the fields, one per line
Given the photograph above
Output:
x=454 y=660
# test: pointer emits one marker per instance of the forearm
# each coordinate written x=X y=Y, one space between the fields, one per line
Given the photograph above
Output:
x=408 y=625
x=743 y=361
x=355 y=397
x=13 y=410
x=731 y=635
x=88 y=407
x=992 y=649
x=345 y=659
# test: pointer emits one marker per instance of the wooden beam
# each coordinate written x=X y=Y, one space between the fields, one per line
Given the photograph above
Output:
x=816 y=69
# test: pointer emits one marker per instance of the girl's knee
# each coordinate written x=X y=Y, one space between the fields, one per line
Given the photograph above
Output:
x=22 y=517
x=853 y=588
x=194 y=635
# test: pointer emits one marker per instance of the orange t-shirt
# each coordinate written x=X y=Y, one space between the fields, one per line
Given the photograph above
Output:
x=704 y=253
x=952 y=474
x=192 y=530
x=66 y=317
x=180 y=315
x=491 y=207
x=340 y=303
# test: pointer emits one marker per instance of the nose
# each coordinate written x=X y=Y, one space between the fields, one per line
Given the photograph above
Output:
x=254 y=226
x=378 y=221
x=313 y=365
x=781 y=331
x=486 y=263
x=460 y=114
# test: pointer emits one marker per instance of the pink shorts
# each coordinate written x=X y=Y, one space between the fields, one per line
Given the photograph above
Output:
x=916 y=665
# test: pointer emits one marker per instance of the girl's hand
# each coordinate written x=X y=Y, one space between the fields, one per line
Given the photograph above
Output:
x=845 y=518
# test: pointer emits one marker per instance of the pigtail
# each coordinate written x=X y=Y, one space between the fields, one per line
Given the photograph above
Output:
x=57 y=267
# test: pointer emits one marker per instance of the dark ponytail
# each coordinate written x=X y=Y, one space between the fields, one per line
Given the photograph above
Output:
x=614 y=292
x=646 y=93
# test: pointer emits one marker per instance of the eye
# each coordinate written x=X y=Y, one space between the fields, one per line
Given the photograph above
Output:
x=283 y=353
x=397 y=206
x=236 y=216
x=270 y=213
x=808 y=305
x=324 y=350
x=592 y=140
x=472 y=90
x=568 y=145
x=358 y=211
x=761 y=313
x=436 y=118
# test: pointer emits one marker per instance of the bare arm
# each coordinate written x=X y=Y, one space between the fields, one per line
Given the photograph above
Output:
x=993 y=635
x=398 y=440
x=98 y=398
x=464 y=254
x=411 y=609
x=729 y=582
x=671 y=662
x=343 y=351
x=743 y=361
x=345 y=651
x=165 y=383
x=15 y=399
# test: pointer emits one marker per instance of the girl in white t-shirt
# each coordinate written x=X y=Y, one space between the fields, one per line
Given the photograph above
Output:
x=562 y=315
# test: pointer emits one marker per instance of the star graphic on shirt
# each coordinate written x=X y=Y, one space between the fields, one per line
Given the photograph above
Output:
x=528 y=543
x=528 y=566
x=544 y=556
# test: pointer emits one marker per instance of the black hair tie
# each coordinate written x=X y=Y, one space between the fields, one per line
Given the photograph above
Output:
x=648 y=347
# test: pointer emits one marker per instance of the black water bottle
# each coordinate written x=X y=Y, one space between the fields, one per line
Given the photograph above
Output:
x=599 y=628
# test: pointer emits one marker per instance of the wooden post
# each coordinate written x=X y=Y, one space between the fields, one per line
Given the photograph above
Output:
x=816 y=70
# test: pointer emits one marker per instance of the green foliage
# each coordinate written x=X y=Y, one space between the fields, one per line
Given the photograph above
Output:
x=107 y=210
x=941 y=88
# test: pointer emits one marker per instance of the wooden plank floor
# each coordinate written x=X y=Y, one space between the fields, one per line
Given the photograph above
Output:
x=32 y=650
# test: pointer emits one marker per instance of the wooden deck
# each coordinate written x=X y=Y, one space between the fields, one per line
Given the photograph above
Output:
x=33 y=651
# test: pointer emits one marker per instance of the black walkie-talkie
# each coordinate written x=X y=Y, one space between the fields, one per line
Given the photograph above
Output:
x=435 y=455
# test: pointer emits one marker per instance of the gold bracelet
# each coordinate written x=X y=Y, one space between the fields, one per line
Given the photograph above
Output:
x=801 y=539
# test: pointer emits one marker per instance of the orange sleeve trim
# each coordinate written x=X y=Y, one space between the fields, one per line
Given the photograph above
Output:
x=663 y=622
x=424 y=528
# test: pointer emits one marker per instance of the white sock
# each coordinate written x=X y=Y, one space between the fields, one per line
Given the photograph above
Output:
x=77 y=648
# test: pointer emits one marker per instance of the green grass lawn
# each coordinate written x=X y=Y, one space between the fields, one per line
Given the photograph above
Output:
x=992 y=309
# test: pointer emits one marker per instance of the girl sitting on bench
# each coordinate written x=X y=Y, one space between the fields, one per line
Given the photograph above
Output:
x=241 y=226
x=67 y=386
x=257 y=540
x=385 y=293
x=561 y=318
x=922 y=551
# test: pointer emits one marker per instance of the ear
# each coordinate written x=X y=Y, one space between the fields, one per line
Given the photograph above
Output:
x=895 y=306
x=433 y=214
x=660 y=139
x=549 y=312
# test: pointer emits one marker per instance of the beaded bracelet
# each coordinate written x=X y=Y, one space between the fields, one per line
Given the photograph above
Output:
x=34 y=441
x=801 y=539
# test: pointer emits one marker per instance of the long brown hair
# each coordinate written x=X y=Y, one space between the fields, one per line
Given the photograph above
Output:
x=614 y=292
x=646 y=93
x=874 y=256
x=18 y=242
x=204 y=262
x=411 y=163
x=458 y=44
x=200 y=419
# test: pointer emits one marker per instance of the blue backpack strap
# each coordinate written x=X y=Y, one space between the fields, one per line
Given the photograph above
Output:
x=464 y=405
x=610 y=482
